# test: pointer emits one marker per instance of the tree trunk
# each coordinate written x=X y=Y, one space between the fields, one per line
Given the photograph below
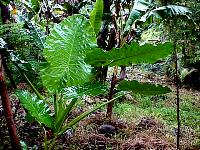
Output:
x=8 y=111
x=101 y=41
x=111 y=93
x=111 y=43
x=5 y=15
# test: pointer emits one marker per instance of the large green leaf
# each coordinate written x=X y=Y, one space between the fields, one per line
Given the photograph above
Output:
x=139 y=9
x=130 y=54
x=90 y=89
x=96 y=16
x=98 y=57
x=167 y=11
x=37 y=108
x=142 y=88
x=65 y=50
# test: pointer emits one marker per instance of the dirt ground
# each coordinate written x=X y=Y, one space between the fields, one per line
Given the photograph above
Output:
x=145 y=133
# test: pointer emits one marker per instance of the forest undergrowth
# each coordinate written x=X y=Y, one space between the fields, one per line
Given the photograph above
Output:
x=140 y=122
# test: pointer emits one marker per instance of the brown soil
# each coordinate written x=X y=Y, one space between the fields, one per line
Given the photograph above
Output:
x=147 y=133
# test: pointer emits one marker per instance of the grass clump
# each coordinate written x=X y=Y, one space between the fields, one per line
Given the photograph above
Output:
x=163 y=108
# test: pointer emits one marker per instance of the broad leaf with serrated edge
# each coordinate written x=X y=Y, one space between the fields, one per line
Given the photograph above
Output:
x=37 y=108
x=65 y=50
x=142 y=88
x=129 y=54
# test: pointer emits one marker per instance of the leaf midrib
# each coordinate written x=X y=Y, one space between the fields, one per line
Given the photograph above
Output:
x=71 y=50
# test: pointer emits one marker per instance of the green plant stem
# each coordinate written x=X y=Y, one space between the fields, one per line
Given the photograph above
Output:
x=83 y=115
x=29 y=82
x=32 y=87
x=61 y=117
x=77 y=119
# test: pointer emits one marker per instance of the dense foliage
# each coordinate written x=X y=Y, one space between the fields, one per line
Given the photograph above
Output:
x=59 y=48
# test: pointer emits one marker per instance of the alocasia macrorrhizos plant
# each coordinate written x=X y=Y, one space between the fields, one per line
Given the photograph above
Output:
x=70 y=50
x=65 y=51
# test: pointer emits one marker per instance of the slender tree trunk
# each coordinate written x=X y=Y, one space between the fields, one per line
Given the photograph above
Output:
x=111 y=93
x=8 y=111
x=173 y=25
x=111 y=44
x=9 y=75
x=5 y=15
x=177 y=98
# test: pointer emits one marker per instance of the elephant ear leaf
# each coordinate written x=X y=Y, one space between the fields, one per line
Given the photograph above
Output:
x=137 y=54
x=92 y=89
x=96 y=16
x=65 y=50
x=37 y=108
x=130 y=54
x=142 y=88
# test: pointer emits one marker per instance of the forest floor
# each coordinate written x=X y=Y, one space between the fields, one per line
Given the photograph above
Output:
x=140 y=122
